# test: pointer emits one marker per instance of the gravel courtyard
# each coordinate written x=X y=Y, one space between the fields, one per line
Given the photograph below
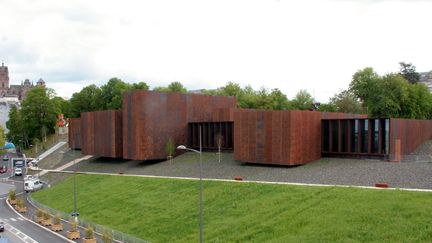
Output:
x=407 y=174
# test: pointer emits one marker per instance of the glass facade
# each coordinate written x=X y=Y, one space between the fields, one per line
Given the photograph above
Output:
x=369 y=137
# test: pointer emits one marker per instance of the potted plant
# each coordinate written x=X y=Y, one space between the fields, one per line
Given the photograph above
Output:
x=57 y=225
x=107 y=237
x=20 y=206
x=73 y=233
x=89 y=237
x=39 y=216
x=12 y=197
x=46 y=219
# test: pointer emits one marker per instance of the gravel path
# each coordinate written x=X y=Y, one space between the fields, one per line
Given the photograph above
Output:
x=324 y=171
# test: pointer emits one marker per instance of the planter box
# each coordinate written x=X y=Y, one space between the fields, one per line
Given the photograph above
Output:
x=21 y=210
x=89 y=240
x=39 y=220
x=46 y=222
x=12 y=202
x=73 y=235
x=57 y=227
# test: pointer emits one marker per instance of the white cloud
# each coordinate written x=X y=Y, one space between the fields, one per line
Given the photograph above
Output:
x=314 y=45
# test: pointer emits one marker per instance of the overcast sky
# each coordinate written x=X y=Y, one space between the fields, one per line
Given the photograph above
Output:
x=315 y=45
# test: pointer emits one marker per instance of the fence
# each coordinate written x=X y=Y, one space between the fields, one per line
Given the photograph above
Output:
x=98 y=229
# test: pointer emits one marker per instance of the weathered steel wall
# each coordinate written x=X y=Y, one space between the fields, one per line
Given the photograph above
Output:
x=151 y=118
x=410 y=133
x=277 y=137
x=102 y=133
x=74 y=133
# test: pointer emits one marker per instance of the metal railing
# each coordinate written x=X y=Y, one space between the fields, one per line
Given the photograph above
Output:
x=117 y=236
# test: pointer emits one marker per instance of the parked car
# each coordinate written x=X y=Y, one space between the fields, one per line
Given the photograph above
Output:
x=1 y=226
x=32 y=185
x=18 y=171
x=3 y=169
x=5 y=158
x=29 y=177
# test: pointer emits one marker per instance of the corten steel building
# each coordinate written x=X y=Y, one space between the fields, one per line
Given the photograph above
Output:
x=141 y=130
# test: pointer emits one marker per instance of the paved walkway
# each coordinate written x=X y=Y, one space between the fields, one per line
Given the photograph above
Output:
x=51 y=150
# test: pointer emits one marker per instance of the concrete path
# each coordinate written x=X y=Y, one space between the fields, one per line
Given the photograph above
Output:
x=65 y=166
x=51 y=150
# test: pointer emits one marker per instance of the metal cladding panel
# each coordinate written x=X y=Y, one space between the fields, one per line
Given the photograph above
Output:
x=411 y=133
x=74 y=133
x=277 y=137
x=151 y=118
x=102 y=133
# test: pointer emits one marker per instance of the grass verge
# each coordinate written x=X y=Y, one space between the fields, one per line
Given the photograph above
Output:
x=166 y=210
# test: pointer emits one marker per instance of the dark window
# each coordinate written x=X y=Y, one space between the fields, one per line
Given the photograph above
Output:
x=335 y=136
x=354 y=135
x=365 y=136
x=325 y=135
x=344 y=135
x=375 y=135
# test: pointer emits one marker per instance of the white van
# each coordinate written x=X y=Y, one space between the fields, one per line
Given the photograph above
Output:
x=32 y=185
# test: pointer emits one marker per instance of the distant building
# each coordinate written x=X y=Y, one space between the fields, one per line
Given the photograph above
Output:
x=426 y=78
x=18 y=91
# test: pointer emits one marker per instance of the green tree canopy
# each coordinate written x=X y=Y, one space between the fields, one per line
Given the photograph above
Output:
x=62 y=106
x=302 y=101
x=39 y=113
x=88 y=99
x=112 y=93
x=408 y=71
x=172 y=87
x=346 y=102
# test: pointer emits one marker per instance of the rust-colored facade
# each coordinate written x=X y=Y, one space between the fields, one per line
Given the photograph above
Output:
x=141 y=130
x=74 y=133
x=101 y=133
x=151 y=118
x=277 y=137
x=406 y=135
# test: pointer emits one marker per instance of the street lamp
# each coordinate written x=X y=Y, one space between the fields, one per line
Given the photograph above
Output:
x=75 y=214
x=182 y=147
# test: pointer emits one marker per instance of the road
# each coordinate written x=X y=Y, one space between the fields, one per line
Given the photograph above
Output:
x=17 y=228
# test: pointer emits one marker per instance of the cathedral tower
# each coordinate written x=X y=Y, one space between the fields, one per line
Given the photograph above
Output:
x=4 y=79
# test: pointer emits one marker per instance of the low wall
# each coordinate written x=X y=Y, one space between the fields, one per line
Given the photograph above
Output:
x=406 y=135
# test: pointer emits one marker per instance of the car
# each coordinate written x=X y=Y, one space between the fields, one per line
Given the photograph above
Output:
x=32 y=185
x=29 y=177
x=5 y=158
x=3 y=169
x=1 y=226
x=18 y=171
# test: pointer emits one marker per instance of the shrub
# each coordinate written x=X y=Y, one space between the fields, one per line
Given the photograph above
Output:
x=89 y=233
x=20 y=203
x=39 y=213
x=46 y=215
x=12 y=195
x=107 y=237
x=57 y=219
x=73 y=226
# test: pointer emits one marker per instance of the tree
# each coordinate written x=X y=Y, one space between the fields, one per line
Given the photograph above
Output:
x=172 y=87
x=140 y=86
x=327 y=107
x=346 y=102
x=62 y=106
x=177 y=87
x=408 y=71
x=302 y=101
x=363 y=83
x=112 y=93
x=38 y=114
x=88 y=99
x=2 y=137
x=16 y=132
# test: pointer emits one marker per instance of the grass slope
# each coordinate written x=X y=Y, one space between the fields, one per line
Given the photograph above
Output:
x=166 y=210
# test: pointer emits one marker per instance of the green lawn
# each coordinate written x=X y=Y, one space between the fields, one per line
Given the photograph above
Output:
x=166 y=210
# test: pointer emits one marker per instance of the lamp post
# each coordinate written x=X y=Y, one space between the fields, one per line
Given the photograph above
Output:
x=200 y=173
x=75 y=214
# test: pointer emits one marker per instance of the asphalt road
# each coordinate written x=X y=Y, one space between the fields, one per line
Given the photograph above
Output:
x=17 y=228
